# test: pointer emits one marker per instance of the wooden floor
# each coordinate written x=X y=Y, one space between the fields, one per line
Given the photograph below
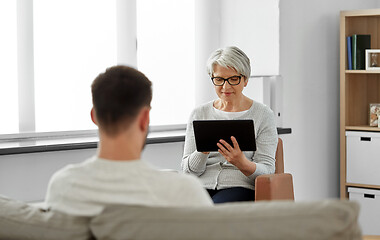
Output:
x=371 y=237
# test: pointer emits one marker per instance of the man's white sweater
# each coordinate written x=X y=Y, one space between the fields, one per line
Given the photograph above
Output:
x=86 y=188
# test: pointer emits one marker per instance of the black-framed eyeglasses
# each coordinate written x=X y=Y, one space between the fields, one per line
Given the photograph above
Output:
x=219 y=81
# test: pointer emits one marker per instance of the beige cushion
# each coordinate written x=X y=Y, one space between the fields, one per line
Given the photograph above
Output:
x=19 y=220
x=329 y=219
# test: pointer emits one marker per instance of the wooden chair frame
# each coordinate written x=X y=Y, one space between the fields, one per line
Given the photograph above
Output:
x=277 y=186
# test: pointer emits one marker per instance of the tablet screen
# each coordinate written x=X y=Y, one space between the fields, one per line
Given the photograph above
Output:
x=208 y=133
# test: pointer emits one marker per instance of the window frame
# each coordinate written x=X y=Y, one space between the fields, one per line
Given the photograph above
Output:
x=78 y=133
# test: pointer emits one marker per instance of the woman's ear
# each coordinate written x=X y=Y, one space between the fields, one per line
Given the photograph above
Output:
x=245 y=81
x=93 y=116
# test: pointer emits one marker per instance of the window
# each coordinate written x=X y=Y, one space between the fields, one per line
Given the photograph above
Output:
x=8 y=63
x=73 y=43
x=70 y=43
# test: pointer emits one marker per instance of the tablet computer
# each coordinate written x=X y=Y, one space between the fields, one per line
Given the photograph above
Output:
x=208 y=133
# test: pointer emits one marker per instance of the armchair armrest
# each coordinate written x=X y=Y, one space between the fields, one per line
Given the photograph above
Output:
x=277 y=186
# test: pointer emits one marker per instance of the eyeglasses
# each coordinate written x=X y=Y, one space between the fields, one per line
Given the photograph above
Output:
x=219 y=81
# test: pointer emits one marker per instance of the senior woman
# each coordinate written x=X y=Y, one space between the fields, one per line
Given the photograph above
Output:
x=229 y=174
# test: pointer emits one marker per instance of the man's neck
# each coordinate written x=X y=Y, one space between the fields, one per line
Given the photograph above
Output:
x=119 y=148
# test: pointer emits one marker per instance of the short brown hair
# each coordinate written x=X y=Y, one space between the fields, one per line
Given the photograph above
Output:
x=118 y=95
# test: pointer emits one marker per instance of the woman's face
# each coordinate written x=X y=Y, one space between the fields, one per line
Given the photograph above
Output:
x=228 y=92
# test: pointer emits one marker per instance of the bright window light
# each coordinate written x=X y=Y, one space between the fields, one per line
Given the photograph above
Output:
x=73 y=42
x=8 y=63
x=166 y=54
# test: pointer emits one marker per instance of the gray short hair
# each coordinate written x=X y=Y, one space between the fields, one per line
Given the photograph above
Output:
x=230 y=57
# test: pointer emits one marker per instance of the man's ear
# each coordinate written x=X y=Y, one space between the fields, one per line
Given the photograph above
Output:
x=144 y=119
x=93 y=116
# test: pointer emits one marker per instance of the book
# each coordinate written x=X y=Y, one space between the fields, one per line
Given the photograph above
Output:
x=360 y=42
x=349 y=54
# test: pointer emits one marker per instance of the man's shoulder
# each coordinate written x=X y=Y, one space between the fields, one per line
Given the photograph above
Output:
x=71 y=170
x=185 y=189
x=178 y=177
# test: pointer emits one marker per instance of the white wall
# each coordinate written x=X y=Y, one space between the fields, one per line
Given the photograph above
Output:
x=253 y=26
x=309 y=63
x=25 y=176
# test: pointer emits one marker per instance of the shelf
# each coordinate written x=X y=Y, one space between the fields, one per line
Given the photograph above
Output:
x=363 y=128
x=362 y=185
x=368 y=237
x=361 y=13
x=363 y=71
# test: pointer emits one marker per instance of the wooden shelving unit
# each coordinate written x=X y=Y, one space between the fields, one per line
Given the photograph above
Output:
x=363 y=71
x=362 y=185
x=363 y=128
x=371 y=237
x=358 y=88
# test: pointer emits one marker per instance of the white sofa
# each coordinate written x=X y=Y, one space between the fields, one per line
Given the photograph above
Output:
x=328 y=219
